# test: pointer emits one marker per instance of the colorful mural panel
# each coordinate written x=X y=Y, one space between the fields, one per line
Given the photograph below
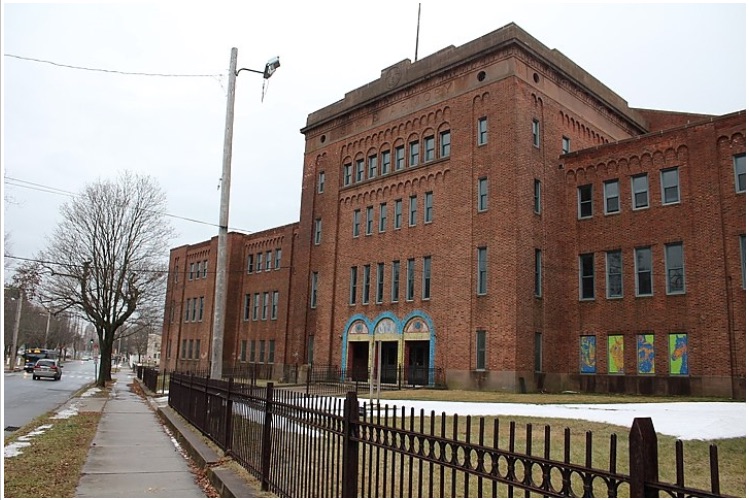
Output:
x=588 y=354
x=616 y=354
x=678 y=362
x=645 y=354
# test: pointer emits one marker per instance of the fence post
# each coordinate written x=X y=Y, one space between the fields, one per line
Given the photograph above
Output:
x=265 y=459
x=228 y=417
x=350 y=445
x=643 y=458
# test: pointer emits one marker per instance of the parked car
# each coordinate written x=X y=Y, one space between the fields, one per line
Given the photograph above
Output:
x=29 y=366
x=49 y=368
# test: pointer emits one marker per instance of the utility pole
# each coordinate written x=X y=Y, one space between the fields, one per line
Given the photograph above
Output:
x=16 y=326
x=219 y=301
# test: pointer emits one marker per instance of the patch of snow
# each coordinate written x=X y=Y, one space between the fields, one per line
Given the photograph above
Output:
x=14 y=449
x=66 y=413
x=90 y=392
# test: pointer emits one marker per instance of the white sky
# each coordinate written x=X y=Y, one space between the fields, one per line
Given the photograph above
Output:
x=64 y=128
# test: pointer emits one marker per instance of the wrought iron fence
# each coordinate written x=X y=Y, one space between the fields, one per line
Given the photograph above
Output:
x=300 y=445
x=152 y=378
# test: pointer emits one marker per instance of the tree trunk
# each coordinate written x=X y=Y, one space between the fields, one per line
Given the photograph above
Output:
x=105 y=360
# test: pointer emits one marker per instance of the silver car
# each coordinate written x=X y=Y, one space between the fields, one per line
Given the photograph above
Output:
x=49 y=368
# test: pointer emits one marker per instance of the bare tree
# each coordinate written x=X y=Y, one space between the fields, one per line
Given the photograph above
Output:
x=108 y=257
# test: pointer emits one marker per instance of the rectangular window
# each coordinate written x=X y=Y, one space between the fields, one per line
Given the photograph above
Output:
x=644 y=270
x=313 y=291
x=271 y=351
x=192 y=271
x=742 y=248
x=429 y=148
x=611 y=196
x=398 y=219
x=352 y=285
x=410 y=270
x=445 y=144
x=190 y=344
x=385 y=162
x=277 y=265
x=184 y=349
x=428 y=209
x=250 y=266
x=380 y=282
x=426 y=279
x=537 y=274
x=197 y=349
x=252 y=351
x=268 y=260
x=412 y=211
x=383 y=217
x=739 y=171
x=413 y=154
x=205 y=269
x=640 y=191
x=247 y=306
x=537 y=196
x=566 y=144
x=274 y=306
x=395 y=281
x=318 y=231
x=259 y=262
x=266 y=304
x=194 y=309
x=176 y=272
x=481 y=277
x=199 y=270
x=262 y=351
x=400 y=157
x=255 y=306
x=365 y=284
x=357 y=214
x=538 y=353
x=481 y=349
x=585 y=201
x=187 y=310
x=483 y=194
x=347 y=174
x=243 y=351
x=372 y=166
x=614 y=285
x=587 y=277
x=201 y=305
x=359 y=170
x=370 y=220
x=675 y=268
x=670 y=186
x=321 y=182
x=536 y=133
x=483 y=132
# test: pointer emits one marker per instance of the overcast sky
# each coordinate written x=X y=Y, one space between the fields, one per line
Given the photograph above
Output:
x=64 y=128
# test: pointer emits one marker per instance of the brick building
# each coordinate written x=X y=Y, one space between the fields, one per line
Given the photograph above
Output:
x=494 y=216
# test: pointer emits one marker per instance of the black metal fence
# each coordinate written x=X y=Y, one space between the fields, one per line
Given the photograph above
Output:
x=300 y=445
x=152 y=378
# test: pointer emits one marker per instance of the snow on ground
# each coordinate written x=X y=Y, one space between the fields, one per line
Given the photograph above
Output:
x=706 y=421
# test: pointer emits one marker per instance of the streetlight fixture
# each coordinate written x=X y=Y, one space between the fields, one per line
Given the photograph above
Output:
x=219 y=302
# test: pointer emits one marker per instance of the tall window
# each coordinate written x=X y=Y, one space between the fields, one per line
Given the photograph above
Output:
x=481 y=349
x=259 y=262
x=255 y=307
x=352 y=285
x=413 y=154
x=410 y=276
x=313 y=291
x=426 y=278
x=395 y=281
x=614 y=289
x=538 y=353
x=201 y=304
x=205 y=268
x=644 y=270
x=372 y=166
x=429 y=148
x=640 y=195
x=412 y=211
x=670 y=186
x=357 y=215
x=483 y=133
x=268 y=258
x=250 y=261
x=271 y=351
x=481 y=277
x=585 y=201
x=247 y=306
x=385 y=162
x=383 y=217
x=347 y=174
x=365 y=284
x=428 y=207
x=379 y=291
x=274 y=306
x=370 y=220
x=537 y=274
x=537 y=196
x=278 y=259
x=262 y=351
x=739 y=169
x=587 y=277
x=566 y=145
x=252 y=351
x=483 y=194
x=536 y=133
x=192 y=271
x=318 y=231
x=266 y=305
x=321 y=182
x=611 y=196
x=398 y=218
x=400 y=157
x=360 y=170
x=675 y=268
x=243 y=351
x=445 y=144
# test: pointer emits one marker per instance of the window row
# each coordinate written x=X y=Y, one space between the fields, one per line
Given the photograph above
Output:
x=403 y=156
x=258 y=355
x=270 y=260
x=261 y=306
x=190 y=349
x=198 y=270
x=482 y=195
x=642 y=272
x=372 y=284
x=482 y=134
x=620 y=351
x=194 y=309
x=368 y=221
